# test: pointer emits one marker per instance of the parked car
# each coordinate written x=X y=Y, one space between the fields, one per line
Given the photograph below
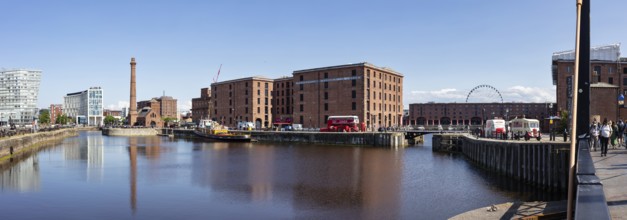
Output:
x=421 y=128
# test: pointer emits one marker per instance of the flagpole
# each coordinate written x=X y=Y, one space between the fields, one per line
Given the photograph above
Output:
x=574 y=134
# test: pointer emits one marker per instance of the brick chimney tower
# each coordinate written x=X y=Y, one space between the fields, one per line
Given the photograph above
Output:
x=133 y=102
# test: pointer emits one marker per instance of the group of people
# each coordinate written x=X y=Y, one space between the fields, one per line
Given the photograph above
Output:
x=607 y=134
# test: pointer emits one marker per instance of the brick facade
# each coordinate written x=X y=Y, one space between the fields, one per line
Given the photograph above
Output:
x=56 y=110
x=372 y=93
x=282 y=100
x=607 y=72
x=166 y=106
x=245 y=99
x=604 y=101
x=114 y=113
x=202 y=107
x=148 y=115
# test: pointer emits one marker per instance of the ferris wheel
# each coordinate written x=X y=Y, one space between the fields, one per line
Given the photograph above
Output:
x=484 y=94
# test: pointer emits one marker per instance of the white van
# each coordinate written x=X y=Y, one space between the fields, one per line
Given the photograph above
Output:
x=523 y=127
x=494 y=128
x=245 y=125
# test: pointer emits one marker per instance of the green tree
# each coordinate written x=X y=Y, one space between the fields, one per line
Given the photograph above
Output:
x=168 y=120
x=44 y=117
x=110 y=120
x=564 y=121
x=63 y=119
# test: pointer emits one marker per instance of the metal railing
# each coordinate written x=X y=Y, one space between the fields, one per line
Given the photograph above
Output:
x=590 y=198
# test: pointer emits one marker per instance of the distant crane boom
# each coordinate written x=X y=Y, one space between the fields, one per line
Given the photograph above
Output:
x=215 y=79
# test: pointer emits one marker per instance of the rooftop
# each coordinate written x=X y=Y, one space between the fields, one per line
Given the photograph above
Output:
x=609 y=52
x=260 y=78
x=602 y=85
x=385 y=69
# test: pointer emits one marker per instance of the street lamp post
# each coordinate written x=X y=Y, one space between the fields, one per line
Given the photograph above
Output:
x=621 y=101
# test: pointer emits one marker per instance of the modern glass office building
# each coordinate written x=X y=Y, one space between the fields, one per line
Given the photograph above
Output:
x=19 y=89
x=85 y=107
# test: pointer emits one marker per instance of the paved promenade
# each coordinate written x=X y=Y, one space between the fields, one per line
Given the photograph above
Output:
x=612 y=170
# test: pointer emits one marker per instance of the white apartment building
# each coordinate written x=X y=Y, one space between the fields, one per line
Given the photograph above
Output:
x=19 y=89
x=85 y=107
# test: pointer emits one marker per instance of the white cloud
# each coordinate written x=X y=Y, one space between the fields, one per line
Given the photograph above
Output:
x=185 y=105
x=118 y=106
x=529 y=94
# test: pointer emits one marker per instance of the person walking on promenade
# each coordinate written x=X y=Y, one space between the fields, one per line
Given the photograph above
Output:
x=565 y=134
x=594 y=136
x=619 y=134
x=614 y=136
x=624 y=134
x=606 y=133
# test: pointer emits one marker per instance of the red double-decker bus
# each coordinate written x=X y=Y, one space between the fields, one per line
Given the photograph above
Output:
x=349 y=123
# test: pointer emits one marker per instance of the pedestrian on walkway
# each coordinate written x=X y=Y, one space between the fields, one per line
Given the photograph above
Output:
x=606 y=133
x=621 y=131
x=594 y=136
x=614 y=136
x=565 y=134
x=624 y=134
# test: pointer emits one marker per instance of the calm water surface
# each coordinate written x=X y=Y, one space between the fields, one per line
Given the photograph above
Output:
x=99 y=177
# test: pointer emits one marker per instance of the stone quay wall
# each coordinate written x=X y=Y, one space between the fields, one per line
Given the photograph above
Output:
x=17 y=144
x=540 y=163
x=389 y=139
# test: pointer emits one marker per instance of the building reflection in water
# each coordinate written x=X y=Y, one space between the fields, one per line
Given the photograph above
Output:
x=89 y=150
x=132 y=142
x=362 y=183
x=150 y=148
x=22 y=176
x=235 y=168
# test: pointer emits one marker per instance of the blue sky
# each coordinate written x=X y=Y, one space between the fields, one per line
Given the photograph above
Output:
x=443 y=47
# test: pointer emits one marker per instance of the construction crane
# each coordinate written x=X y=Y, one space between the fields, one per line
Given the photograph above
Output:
x=215 y=79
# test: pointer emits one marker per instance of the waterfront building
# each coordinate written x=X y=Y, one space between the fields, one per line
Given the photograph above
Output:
x=56 y=110
x=124 y=113
x=372 y=93
x=202 y=107
x=474 y=114
x=85 y=107
x=167 y=106
x=282 y=101
x=244 y=99
x=608 y=71
x=19 y=89
x=117 y=114
x=149 y=114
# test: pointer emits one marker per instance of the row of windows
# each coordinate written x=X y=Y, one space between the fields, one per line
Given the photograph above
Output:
x=597 y=70
x=385 y=86
x=281 y=92
x=326 y=106
x=387 y=77
x=231 y=110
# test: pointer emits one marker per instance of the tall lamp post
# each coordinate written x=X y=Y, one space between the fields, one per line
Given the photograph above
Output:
x=621 y=101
